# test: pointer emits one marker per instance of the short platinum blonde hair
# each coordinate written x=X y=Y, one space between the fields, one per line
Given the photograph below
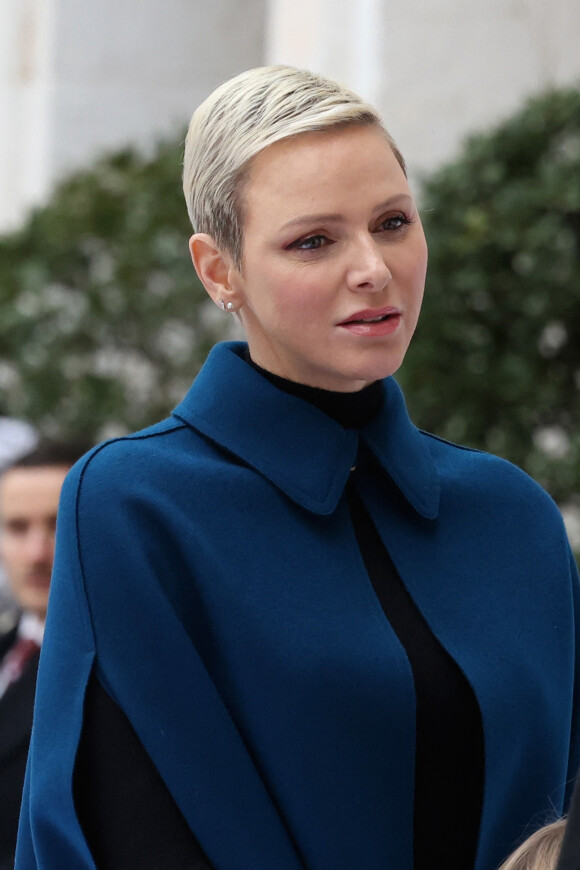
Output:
x=540 y=851
x=242 y=117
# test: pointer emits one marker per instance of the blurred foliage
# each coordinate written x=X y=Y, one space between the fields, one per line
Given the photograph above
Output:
x=103 y=322
x=496 y=359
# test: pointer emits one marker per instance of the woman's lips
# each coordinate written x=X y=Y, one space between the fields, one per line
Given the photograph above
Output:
x=373 y=323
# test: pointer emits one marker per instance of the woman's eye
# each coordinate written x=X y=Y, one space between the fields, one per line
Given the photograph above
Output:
x=310 y=244
x=396 y=222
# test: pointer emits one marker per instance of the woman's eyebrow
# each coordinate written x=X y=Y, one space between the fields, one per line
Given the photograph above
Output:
x=338 y=218
x=313 y=218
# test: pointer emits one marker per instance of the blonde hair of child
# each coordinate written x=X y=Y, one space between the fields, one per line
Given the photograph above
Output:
x=540 y=851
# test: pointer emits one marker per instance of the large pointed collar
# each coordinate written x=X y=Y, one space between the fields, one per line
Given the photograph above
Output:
x=298 y=448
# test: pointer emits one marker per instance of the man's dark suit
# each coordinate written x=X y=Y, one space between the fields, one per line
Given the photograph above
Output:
x=16 y=707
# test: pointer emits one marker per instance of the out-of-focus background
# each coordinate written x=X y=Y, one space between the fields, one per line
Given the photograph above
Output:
x=102 y=321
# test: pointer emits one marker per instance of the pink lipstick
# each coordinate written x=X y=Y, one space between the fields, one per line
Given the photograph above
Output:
x=373 y=323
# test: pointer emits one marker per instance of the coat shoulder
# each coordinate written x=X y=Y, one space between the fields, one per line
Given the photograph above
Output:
x=488 y=478
x=123 y=462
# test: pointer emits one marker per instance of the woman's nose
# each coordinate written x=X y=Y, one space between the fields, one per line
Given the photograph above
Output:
x=368 y=271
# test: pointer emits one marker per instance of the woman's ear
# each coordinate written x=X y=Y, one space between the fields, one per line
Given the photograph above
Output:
x=213 y=268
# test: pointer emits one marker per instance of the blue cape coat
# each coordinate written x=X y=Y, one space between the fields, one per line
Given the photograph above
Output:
x=208 y=569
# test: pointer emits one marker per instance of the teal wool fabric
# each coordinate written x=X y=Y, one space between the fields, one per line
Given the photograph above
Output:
x=208 y=570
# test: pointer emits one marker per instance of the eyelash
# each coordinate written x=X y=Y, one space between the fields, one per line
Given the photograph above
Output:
x=404 y=221
x=298 y=245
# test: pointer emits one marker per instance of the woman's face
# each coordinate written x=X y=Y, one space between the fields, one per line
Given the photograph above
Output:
x=334 y=259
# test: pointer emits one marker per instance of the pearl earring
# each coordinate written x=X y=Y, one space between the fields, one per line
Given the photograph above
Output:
x=230 y=306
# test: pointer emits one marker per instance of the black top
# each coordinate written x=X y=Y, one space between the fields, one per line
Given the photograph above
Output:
x=129 y=817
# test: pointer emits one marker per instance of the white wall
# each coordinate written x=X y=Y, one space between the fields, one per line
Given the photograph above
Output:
x=127 y=70
x=79 y=77
x=437 y=69
x=25 y=80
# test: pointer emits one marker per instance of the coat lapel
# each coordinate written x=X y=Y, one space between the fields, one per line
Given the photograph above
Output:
x=301 y=450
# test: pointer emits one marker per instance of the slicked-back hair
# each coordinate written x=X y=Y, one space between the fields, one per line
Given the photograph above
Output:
x=242 y=117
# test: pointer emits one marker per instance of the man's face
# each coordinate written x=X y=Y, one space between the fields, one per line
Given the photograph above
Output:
x=28 y=505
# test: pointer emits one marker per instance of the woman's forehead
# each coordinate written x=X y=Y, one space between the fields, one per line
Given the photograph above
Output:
x=316 y=172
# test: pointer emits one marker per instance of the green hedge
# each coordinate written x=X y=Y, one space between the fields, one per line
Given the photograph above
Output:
x=496 y=358
x=103 y=322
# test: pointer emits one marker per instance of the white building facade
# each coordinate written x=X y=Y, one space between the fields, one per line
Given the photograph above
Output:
x=437 y=69
x=79 y=78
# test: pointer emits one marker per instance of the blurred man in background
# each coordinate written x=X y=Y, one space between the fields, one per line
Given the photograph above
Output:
x=16 y=439
x=29 y=495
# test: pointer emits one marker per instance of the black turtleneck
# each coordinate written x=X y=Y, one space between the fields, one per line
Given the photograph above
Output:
x=352 y=410
x=129 y=817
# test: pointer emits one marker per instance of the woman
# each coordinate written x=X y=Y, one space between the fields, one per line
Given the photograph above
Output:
x=287 y=629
